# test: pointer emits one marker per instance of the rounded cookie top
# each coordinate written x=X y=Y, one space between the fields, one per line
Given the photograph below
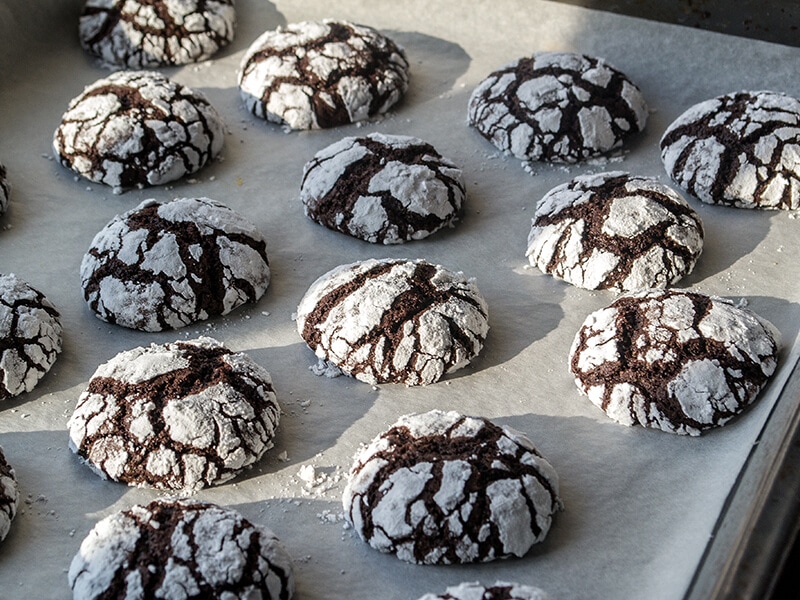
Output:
x=179 y=416
x=141 y=34
x=30 y=336
x=394 y=320
x=739 y=149
x=678 y=361
x=443 y=488
x=9 y=495
x=557 y=107
x=500 y=590
x=137 y=128
x=385 y=189
x=314 y=75
x=615 y=231
x=164 y=265
x=180 y=549
x=5 y=189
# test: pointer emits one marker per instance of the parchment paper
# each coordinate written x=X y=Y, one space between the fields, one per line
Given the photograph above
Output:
x=640 y=506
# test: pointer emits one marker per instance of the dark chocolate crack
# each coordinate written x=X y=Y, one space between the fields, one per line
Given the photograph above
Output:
x=488 y=464
x=334 y=210
x=161 y=522
x=22 y=339
x=409 y=305
x=567 y=143
x=206 y=275
x=375 y=59
x=171 y=43
x=738 y=122
x=207 y=368
x=594 y=213
x=744 y=376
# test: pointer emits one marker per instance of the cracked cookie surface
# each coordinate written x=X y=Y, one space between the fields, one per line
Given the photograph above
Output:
x=9 y=495
x=181 y=549
x=137 y=128
x=394 y=320
x=678 y=361
x=615 y=231
x=165 y=265
x=385 y=189
x=141 y=34
x=178 y=416
x=30 y=336
x=557 y=107
x=320 y=74
x=5 y=189
x=740 y=149
x=500 y=590
x=444 y=488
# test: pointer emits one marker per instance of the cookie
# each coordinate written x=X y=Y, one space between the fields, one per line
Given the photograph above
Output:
x=385 y=189
x=166 y=264
x=394 y=320
x=615 y=231
x=557 y=107
x=180 y=549
x=9 y=495
x=30 y=336
x=740 y=149
x=176 y=416
x=137 y=128
x=5 y=189
x=500 y=590
x=141 y=34
x=315 y=75
x=444 y=488
x=678 y=361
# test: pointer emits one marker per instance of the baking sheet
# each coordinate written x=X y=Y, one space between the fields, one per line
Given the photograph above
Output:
x=641 y=507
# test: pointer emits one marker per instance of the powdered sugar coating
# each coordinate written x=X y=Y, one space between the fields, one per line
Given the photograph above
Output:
x=166 y=264
x=30 y=336
x=154 y=33
x=557 y=107
x=678 y=361
x=180 y=416
x=5 y=189
x=740 y=149
x=442 y=488
x=615 y=231
x=137 y=128
x=9 y=495
x=386 y=189
x=500 y=590
x=314 y=75
x=180 y=549
x=394 y=320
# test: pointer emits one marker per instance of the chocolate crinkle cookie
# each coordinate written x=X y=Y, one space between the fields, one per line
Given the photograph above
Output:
x=615 y=231
x=141 y=34
x=740 y=149
x=444 y=488
x=179 y=549
x=167 y=264
x=678 y=361
x=557 y=107
x=5 y=189
x=30 y=336
x=9 y=495
x=319 y=74
x=393 y=320
x=500 y=590
x=137 y=128
x=385 y=189
x=177 y=416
